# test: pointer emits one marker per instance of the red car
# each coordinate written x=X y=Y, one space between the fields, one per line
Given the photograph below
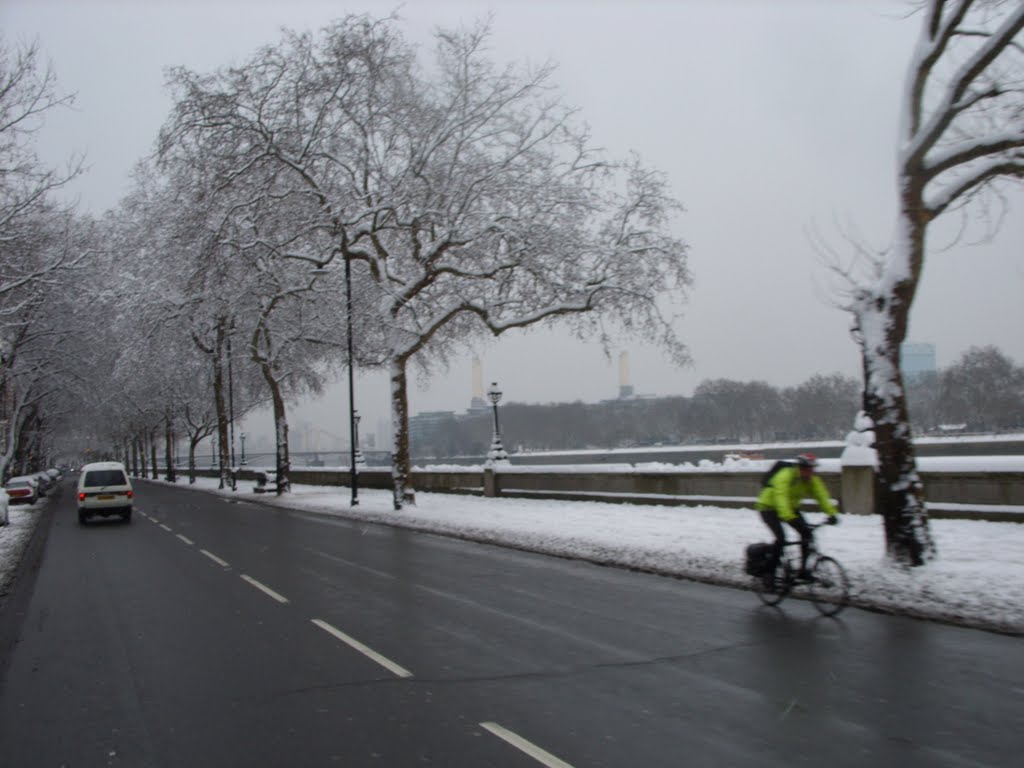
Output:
x=22 y=490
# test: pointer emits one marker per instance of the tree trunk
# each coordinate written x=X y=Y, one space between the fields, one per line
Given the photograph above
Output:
x=169 y=449
x=401 y=465
x=283 y=462
x=900 y=493
x=882 y=323
x=193 y=443
x=221 y=405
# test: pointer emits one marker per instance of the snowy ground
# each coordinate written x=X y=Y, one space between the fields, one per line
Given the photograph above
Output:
x=978 y=579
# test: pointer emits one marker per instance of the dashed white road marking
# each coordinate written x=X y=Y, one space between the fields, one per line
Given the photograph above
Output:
x=540 y=755
x=166 y=528
x=186 y=539
x=385 y=662
x=265 y=589
x=215 y=559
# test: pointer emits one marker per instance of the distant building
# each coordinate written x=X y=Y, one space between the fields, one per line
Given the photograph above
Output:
x=423 y=426
x=917 y=360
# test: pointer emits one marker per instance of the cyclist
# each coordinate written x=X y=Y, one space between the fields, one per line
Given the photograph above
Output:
x=779 y=502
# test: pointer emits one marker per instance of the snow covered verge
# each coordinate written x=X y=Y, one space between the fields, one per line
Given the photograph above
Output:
x=14 y=539
x=977 y=581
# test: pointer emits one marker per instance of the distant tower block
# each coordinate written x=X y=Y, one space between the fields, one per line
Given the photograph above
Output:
x=477 y=401
x=625 y=388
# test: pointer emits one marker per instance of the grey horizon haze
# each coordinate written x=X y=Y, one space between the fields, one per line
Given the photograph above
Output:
x=776 y=124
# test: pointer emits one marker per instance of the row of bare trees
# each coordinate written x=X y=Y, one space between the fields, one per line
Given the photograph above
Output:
x=982 y=391
x=42 y=244
x=823 y=407
x=454 y=198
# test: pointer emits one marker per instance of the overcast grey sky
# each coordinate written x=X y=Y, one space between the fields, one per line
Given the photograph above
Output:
x=770 y=119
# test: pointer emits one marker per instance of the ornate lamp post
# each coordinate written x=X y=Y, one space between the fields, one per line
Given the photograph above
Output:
x=497 y=453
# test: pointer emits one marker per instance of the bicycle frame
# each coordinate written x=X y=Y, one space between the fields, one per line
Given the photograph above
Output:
x=828 y=587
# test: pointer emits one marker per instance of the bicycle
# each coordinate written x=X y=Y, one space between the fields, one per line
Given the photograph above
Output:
x=828 y=588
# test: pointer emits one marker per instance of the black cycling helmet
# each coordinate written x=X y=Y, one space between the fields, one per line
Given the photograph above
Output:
x=807 y=460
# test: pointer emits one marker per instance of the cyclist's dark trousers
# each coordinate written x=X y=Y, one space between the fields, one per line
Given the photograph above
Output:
x=771 y=519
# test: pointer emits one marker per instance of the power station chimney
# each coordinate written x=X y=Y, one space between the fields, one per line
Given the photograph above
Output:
x=477 y=402
x=625 y=388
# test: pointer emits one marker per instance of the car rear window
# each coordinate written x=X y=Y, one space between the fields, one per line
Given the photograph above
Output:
x=105 y=477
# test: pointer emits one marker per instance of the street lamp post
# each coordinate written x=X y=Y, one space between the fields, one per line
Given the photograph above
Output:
x=352 y=417
x=497 y=453
x=241 y=436
x=231 y=412
x=351 y=384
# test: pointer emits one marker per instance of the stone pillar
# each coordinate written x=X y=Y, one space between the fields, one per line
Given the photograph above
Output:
x=490 y=486
x=858 y=490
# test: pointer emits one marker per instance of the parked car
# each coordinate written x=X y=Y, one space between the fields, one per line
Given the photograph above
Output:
x=104 y=489
x=23 y=489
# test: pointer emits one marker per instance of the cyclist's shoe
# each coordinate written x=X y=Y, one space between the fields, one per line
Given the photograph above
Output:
x=803 y=576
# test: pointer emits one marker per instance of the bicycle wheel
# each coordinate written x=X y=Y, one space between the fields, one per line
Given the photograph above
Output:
x=771 y=589
x=830 y=587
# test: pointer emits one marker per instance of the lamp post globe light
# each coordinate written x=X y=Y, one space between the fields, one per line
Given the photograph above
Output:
x=496 y=455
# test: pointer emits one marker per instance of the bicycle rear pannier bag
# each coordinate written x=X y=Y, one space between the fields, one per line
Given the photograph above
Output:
x=759 y=559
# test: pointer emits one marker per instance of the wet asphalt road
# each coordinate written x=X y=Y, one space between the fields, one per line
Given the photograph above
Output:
x=223 y=633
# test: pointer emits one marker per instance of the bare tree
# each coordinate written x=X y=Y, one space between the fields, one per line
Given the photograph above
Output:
x=961 y=141
x=465 y=202
x=983 y=389
x=39 y=242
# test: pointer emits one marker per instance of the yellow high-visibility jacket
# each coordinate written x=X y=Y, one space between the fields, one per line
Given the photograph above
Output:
x=786 y=490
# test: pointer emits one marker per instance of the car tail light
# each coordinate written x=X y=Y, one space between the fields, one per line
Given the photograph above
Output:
x=129 y=494
x=81 y=497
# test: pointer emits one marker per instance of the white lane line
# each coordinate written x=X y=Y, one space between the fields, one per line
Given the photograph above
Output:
x=389 y=665
x=215 y=559
x=265 y=589
x=540 y=755
x=186 y=539
x=166 y=528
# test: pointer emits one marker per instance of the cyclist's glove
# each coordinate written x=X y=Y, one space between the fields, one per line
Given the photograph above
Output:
x=833 y=519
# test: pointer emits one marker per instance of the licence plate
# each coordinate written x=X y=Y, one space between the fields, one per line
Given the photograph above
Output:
x=105 y=497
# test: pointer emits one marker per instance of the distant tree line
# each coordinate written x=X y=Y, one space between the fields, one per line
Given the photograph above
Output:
x=982 y=391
